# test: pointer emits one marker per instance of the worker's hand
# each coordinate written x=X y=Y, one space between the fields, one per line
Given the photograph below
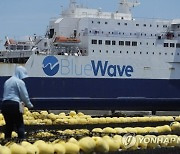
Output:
x=31 y=107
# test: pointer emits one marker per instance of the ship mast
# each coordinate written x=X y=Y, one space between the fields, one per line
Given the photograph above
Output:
x=72 y=4
x=125 y=6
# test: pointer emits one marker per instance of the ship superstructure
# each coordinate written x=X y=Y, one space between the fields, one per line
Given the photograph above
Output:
x=156 y=42
x=99 y=56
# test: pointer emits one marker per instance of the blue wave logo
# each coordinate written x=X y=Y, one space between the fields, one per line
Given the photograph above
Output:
x=50 y=65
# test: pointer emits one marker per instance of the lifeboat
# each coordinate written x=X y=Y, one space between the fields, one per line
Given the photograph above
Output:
x=66 y=40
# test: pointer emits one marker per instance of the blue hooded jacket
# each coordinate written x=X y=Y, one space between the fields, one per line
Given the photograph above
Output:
x=15 y=88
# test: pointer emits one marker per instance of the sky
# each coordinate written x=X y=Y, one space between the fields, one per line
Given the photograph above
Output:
x=20 y=18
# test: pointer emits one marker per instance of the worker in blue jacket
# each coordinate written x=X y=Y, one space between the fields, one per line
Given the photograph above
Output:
x=15 y=96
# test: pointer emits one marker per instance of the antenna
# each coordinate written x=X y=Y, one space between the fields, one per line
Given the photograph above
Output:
x=125 y=6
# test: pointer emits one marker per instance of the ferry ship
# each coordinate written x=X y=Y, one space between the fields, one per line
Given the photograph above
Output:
x=104 y=60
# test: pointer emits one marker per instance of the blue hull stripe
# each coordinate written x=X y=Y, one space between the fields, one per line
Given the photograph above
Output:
x=59 y=93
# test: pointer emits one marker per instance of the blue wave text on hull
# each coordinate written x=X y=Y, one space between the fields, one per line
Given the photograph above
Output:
x=111 y=70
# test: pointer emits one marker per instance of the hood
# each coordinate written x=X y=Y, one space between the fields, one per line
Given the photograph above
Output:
x=21 y=72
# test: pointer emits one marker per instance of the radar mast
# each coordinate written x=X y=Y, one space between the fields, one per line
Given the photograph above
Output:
x=72 y=4
x=125 y=6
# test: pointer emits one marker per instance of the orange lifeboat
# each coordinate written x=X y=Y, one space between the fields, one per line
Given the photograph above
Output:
x=9 y=42
x=62 y=39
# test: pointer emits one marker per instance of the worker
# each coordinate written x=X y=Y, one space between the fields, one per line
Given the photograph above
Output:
x=15 y=96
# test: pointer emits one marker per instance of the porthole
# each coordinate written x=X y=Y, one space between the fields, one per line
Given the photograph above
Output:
x=127 y=52
x=113 y=51
x=106 y=51
x=140 y=53
x=172 y=54
x=159 y=53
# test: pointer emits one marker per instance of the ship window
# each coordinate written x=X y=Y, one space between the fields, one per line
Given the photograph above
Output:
x=147 y=43
x=166 y=45
x=177 y=45
x=93 y=50
x=119 y=23
x=171 y=53
x=137 y=24
x=153 y=43
x=121 y=43
x=100 y=41
x=106 y=23
x=94 y=41
x=150 y=25
x=120 y=51
x=113 y=51
x=107 y=42
x=134 y=43
x=140 y=53
x=92 y=22
x=140 y=43
x=100 y=51
x=157 y=25
x=159 y=53
x=144 y=25
x=28 y=47
x=130 y=33
x=153 y=53
x=127 y=43
x=12 y=47
x=134 y=52
x=165 y=53
x=178 y=54
x=147 y=53
x=172 y=45
x=106 y=51
x=90 y=31
x=113 y=42
x=127 y=52
x=164 y=26
x=51 y=33
x=99 y=22
x=122 y=17
x=151 y=34
x=45 y=44
x=125 y=24
x=19 y=47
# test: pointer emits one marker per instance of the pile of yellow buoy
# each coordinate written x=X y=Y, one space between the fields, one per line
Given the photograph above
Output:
x=103 y=140
x=45 y=118
x=91 y=144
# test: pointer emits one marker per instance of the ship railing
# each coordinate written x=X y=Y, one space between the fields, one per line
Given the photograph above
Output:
x=16 y=54
x=133 y=35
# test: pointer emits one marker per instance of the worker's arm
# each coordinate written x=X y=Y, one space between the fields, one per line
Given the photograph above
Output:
x=24 y=96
